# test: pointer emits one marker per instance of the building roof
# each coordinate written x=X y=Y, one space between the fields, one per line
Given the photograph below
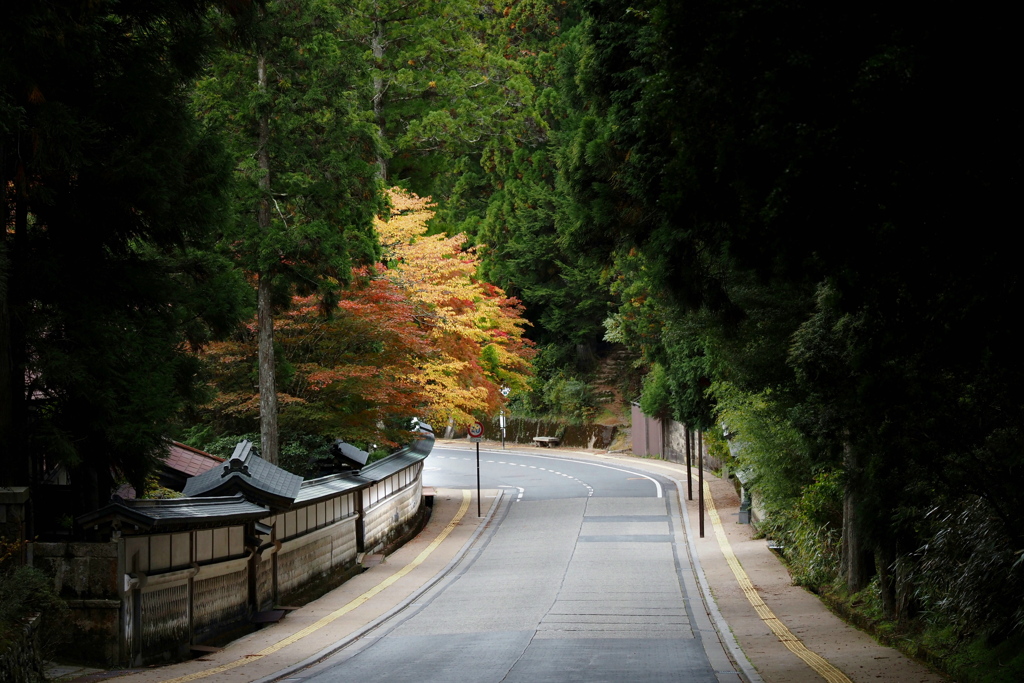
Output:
x=190 y=461
x=391 y=464
x=167 y=514
x=249 y=474
x=330 y=486
x=349 y=455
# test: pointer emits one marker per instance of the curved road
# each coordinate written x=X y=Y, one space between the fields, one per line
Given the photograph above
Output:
x=582 y=575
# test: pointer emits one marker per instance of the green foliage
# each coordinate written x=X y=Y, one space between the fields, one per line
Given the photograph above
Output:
x=718 y=447
x=113 y=195
x=323 y=191
x=25 y=591
x=810 y=532
x=981 y=662
x=153 y=490
x=967 y=576
x=301 y=453
x=770 y=447
x=803 y=500
x=655 y=400
x=568 y=397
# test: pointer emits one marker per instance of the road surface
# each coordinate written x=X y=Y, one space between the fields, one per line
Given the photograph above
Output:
x=582 y=575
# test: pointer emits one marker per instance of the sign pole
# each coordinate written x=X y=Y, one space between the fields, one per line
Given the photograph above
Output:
x=476 y=433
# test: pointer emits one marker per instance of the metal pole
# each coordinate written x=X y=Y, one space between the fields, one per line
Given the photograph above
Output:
x=700 y=475
x=478 y=484
x=689 y=463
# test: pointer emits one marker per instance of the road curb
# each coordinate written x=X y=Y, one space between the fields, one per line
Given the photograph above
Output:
x=725 y=634
x=337 y=646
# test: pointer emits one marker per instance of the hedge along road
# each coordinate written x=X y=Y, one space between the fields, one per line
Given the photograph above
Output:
x=583 y=575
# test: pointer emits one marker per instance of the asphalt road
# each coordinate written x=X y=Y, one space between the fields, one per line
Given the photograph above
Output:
x=582 y=575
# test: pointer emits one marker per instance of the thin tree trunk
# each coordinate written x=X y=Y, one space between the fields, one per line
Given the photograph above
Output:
x=855 y=560
x=377 y=47
x=6 y=364
x=16 y=466
x=885 y=559
x=264 y=307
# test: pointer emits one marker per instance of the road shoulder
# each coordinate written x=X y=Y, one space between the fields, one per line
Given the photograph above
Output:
x=851 y=653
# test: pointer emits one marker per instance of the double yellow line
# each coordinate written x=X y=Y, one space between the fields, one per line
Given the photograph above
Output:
x=341 y=611
x=787 y=637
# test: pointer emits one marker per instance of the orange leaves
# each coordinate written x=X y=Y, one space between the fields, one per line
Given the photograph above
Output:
x=464 y=316
x=422 y=337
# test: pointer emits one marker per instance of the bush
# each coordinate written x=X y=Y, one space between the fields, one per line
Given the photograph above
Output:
x=25 y=591
x=569 y=398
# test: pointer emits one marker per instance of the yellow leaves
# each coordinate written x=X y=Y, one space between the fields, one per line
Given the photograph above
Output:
x=464 y=315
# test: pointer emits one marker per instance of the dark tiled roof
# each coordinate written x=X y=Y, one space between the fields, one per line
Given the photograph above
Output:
x=391 y=464
x=424 y=444
x=349 y=454
x=168 y=513
x=331 y=485
x=250 y=475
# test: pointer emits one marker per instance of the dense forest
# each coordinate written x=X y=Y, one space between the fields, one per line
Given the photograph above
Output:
x=313 y=219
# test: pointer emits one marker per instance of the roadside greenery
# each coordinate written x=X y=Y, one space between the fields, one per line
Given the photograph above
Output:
x=25 y=592
x=749 y=197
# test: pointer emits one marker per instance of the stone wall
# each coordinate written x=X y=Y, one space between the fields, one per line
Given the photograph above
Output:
x=523 y=429
x=311 y=558
x=87 y=576
x=387 y=519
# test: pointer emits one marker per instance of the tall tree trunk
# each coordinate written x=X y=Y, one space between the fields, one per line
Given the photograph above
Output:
x=15 y=465
x=856 y=559
x=377 y=47
x=7 y=431
x=264 y=305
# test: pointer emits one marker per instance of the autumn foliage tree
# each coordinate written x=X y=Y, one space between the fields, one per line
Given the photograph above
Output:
x=476 y=331
x=417 y=336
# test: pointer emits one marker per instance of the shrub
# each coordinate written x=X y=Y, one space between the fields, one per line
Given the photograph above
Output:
x=25 y=591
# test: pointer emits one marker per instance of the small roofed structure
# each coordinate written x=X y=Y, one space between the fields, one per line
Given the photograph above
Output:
x=247 y=473
x=173 y=514
x=347 y=456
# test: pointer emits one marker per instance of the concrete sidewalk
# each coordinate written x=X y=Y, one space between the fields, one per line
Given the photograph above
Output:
x=329 y=623
x=786 y=632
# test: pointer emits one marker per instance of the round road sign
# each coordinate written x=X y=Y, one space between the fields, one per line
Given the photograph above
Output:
x=476 y=430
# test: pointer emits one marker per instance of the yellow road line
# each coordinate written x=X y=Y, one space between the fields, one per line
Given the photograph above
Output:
x=341 y=611
x=795 y=645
